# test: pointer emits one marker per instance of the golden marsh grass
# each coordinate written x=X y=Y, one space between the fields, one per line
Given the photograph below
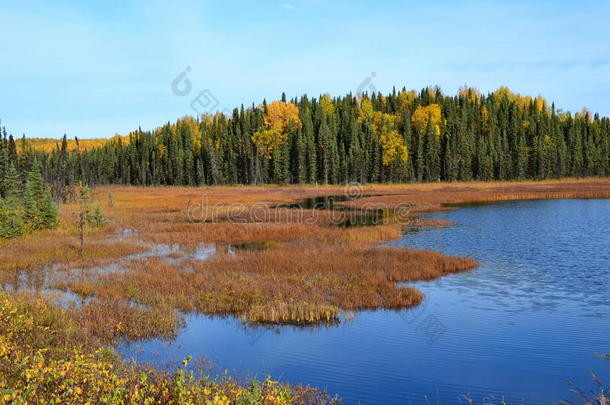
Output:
x=311 y=272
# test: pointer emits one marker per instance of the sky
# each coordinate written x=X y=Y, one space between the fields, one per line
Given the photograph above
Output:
x=96 y=68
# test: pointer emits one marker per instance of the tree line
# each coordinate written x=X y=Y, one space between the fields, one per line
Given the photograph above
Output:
x=405 y=136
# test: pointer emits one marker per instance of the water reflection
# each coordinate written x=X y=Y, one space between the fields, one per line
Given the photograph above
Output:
x=347 y=216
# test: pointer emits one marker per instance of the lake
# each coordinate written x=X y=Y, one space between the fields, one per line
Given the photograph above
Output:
x=533 y=315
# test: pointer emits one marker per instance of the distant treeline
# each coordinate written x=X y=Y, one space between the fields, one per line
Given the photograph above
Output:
x=401 y=137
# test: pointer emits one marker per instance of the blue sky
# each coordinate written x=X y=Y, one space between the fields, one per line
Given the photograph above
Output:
x=96 y=68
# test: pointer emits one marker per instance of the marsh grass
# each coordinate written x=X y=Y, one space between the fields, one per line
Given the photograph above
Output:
x=309 y=273
x=298 y=282
x=112 y=320
x=282 y=312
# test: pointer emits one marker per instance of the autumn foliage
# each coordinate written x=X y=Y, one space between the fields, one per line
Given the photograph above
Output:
x=394 y=148
x=267 y=140
x=279 y=118
x=430 y=114
x=43 y=362
x=52 y=144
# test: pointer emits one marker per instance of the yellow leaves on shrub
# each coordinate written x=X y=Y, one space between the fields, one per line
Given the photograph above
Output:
x=422 y=115
x=35 y=367
x=6 y=347
x=278 y=119
x=394 y=148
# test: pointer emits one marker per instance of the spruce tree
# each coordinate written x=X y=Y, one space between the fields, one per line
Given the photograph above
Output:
x=432 y=157
x=33 y=197
x=3 y=166
x=11 y=220
x=48 y=209
x=12 y=183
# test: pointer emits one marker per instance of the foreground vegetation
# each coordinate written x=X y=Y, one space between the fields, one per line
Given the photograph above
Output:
x=45 y=360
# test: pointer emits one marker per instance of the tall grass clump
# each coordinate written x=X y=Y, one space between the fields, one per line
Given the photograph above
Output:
x=292 y=312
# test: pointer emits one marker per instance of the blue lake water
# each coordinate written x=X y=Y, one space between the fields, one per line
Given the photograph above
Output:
x=533 y=315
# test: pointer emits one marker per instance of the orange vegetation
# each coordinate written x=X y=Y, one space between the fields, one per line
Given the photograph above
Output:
x=310 y=273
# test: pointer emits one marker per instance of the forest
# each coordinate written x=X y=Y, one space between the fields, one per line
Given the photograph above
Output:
x=404 y=136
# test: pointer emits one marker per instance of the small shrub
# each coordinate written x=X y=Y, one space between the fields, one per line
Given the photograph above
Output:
x=96 y=219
